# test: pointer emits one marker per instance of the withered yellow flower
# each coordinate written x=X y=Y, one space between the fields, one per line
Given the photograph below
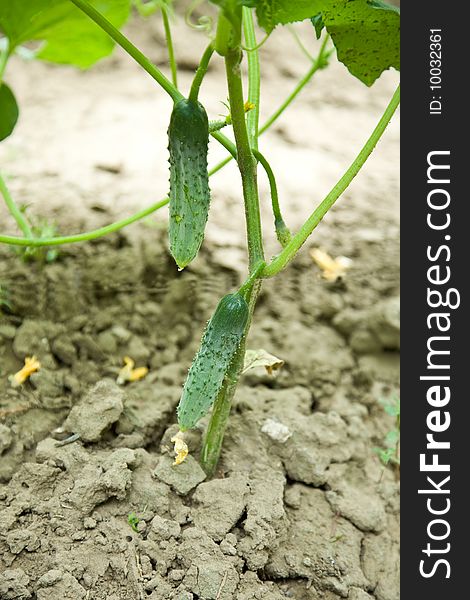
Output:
x=332 y=268
x=181 y=448
x=129 y=374
x=31 y=365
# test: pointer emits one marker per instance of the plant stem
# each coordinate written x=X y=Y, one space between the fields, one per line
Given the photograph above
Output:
x=201 y=72
x=14 y=210
x=82 y=237
x=170 y=47
x=129 y=47
x=223 y=35
x=299 y=239
x=300 y=43
x=246 y=161
x=247 y=165
x=219 y=166
x=246 y=289
x=254 y=77
x=4 y=55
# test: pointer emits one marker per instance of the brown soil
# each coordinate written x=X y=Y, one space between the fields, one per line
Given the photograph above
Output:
x=313 y=516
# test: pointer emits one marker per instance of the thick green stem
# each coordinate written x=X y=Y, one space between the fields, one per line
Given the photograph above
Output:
x=247 y=165
x=300 y=238
x=201 y=72
x=254 y=77
x=129 y=47
x=14 y=210
x=246 y=161
x=170 y=47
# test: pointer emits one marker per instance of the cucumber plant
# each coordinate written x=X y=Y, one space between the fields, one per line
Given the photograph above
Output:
x=365 y=36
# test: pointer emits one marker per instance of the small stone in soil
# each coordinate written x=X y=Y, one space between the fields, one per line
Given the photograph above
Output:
x=182 y=478
x=163 y=529
x=276 y=431
x=100 y=407
x=6 y=438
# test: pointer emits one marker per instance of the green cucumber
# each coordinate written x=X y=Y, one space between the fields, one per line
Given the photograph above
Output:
x=188 y=136
x=219 y=344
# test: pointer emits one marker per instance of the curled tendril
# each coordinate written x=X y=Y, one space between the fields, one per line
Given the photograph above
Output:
x=204 y=23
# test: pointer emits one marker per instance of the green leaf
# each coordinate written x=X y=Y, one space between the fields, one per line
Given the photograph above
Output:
x=68 y=35
x=367 y=38
x=366 y=33
x=8 y=111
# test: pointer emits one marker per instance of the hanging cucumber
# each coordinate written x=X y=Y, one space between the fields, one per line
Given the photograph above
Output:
x=188 y=136
x=219 y=344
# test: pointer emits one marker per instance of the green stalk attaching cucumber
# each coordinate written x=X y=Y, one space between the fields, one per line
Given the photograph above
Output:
x=188 y=136
x=219 y=344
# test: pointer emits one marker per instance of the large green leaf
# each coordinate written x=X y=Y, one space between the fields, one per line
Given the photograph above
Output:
x=69 y=36
x=366 y=33
x=8 y=111
x=366 y=36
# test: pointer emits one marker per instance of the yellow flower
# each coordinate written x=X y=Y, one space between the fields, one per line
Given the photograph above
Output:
x=332 y=268
x=31 y=365
x=181 y=448
x=129 y=374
